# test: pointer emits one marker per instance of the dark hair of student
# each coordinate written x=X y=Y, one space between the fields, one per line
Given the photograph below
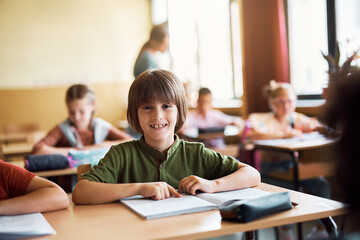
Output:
x=342 y=112
x=79 y=91
x=204 y=91
x=157 y=34
x=156 y=84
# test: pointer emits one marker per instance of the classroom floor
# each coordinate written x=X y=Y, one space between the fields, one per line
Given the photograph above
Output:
x=268 y=233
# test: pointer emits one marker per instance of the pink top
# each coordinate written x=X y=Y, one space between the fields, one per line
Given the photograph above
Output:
x=213 y=118
x=266 y=123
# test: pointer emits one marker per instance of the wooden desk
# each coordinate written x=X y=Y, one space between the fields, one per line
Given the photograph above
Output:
x=292 y=147
x=228 y=150
x=16 y=150
x=58 y=172
x=49 y=173
x=114 y=221
x=11 y=138
x=30 y=137
x=229 y=132
x=19 y=144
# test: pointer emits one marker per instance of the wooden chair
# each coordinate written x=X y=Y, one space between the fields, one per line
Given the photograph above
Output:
x=82 y=169
x=21 y=127
x=1 y=154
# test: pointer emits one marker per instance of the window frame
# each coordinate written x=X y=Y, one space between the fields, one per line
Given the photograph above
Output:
x=331 y=40
x=236 y=95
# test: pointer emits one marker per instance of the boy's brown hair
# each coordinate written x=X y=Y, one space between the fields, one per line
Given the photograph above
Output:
x=79 y=91
x=152 y=85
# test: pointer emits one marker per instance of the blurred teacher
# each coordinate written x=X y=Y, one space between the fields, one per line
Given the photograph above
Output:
x=158 y=42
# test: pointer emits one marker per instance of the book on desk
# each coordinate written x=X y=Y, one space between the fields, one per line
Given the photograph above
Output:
x=151 y=209
x=24 y=226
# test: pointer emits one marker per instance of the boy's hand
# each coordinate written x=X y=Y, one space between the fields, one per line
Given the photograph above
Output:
x=192 y=183
x=157 y=190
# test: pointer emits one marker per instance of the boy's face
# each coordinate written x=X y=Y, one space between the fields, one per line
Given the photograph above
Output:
x=157 y=121
x=80 y=112
x=204 y=103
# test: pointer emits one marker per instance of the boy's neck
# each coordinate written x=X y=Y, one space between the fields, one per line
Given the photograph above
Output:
x=162 y=147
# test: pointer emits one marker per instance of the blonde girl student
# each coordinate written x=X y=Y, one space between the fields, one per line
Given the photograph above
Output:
x=81 y=130
x=159 y=162
x=284 y=122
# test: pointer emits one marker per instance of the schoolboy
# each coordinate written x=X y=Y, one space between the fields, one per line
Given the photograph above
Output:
x=159 y=162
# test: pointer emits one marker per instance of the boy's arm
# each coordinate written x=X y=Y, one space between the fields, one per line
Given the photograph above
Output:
x=89 y=192
x=41 y=196
x=246 y=176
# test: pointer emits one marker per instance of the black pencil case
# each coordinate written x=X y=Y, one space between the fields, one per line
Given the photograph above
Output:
x=35 y=163
x=211 y=130
x=249 y=210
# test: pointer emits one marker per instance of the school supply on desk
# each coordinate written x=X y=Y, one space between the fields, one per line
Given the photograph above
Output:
x=36 y=163
x=248 y=210
x=92 y=156
x=305 y=138
x=151 y=209
x=212 y=130
x=24 y=226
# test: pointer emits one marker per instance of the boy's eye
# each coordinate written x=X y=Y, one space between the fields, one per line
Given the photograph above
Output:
x=167 y=106
x=146 y=108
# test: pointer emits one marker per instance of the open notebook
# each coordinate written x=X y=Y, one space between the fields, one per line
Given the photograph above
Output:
x=150 y=209
x=24 y=226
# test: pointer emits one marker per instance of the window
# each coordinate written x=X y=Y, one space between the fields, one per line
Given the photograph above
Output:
x=205 y=45
x=312 y=30
x=348 y=28
x=307 y=39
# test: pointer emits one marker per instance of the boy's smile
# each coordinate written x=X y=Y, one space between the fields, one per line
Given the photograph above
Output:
x=158 y=125
x=157 y=121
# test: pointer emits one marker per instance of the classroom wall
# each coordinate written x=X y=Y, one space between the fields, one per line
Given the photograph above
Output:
x=47 y=105
x=57 y=42
x=47 y=45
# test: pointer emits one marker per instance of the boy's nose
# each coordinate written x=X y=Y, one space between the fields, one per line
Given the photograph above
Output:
x=157 y=114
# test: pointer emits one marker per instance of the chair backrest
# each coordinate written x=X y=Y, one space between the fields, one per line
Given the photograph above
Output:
x=21 y=127
x=1 y=154
x=82 y=169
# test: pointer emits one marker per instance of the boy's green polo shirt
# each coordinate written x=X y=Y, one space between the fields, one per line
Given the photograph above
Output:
x=135 y=161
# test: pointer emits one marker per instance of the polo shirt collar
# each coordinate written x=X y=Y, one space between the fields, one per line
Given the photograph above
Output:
x=152 y=151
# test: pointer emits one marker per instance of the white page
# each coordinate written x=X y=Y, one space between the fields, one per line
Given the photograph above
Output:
x=221 y=198
x=305 y=137
x=25 y=225
x=150 y=209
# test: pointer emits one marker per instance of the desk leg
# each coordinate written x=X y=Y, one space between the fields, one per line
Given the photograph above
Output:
x=331 y=227
x=295 y=159
x=252 y=235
